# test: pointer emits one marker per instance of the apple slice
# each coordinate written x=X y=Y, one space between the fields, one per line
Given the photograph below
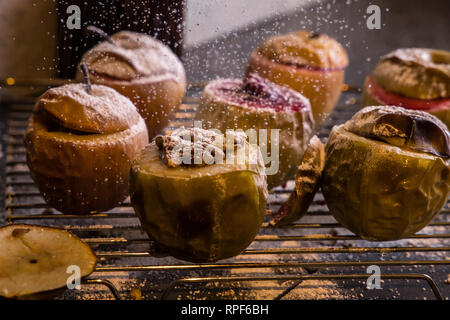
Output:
x=34 y=260
x=307 y=183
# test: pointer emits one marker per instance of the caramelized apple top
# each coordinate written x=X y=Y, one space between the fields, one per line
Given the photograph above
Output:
x=305 y=49
x=71 y=107
x=415 y=73
x=133 y=56
x=405 y=128
x=257 y=92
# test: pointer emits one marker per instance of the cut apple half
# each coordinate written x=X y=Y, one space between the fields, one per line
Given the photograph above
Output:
x=34 y=260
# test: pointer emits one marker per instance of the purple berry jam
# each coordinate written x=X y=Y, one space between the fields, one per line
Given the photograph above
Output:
x=257 y=92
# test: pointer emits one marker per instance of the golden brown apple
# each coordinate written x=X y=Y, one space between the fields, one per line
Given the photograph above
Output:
x=310 y=63
x=142 y=69
x=80 y=145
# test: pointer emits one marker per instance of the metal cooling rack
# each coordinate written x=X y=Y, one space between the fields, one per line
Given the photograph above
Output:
x=314 y=258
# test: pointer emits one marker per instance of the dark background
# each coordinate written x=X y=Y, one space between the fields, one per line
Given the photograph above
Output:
x=405 y=23
x=161 y=19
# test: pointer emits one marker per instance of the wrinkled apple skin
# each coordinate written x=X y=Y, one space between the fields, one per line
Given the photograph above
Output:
x=198 y=214
x=417 y=73
x=379 y=191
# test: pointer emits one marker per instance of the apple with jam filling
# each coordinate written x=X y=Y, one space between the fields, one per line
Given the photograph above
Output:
x=310 y=63
x=416 y=79
x=256 y=103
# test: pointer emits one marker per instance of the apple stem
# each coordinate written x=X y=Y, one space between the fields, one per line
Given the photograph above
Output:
x=87 y=80
x=101 y=33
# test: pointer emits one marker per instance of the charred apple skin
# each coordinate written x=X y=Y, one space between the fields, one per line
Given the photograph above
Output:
x=155 y=81
x=381 y=191
x=198 y=214
x=316 y=75
x=295 y=126
x=83 y=172
x=414 y=78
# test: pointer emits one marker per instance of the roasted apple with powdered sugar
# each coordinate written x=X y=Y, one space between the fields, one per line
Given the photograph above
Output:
x=80 y=143
x=256 y=103
x=416 y=79
x=201 y=208
x=142 y=69
x=387 y=171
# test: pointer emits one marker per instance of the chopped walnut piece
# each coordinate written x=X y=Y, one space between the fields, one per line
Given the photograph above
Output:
x=195 y=146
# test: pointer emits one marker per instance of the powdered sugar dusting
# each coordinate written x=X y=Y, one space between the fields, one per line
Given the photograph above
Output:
x=133 y=56
x=103 y=110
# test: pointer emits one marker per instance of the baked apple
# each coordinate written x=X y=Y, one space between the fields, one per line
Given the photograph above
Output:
x=80 y=144
x=142 y=69
x=307 y=183
x=203 y=210
x=310 y=63
x=34 y=261
x=417 y=79
x=387 y=172
x=256 y=103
